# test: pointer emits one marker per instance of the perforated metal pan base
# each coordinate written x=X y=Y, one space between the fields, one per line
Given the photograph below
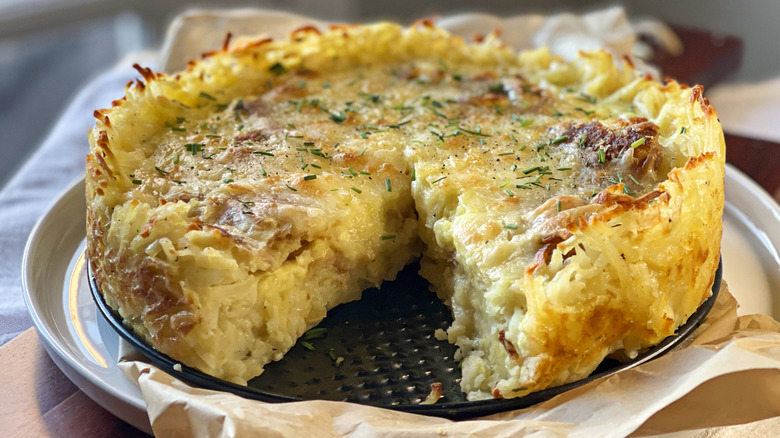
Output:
x=381 y=351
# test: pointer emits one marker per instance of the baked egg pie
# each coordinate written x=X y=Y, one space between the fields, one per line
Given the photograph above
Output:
x=564 y=211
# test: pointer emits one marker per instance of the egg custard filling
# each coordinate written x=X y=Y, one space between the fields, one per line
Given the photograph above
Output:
x=564 y=211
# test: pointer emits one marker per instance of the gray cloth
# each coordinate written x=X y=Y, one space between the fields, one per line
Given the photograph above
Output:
x=58 y=162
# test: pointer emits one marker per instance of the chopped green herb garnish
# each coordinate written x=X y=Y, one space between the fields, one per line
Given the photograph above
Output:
x=176 y=159
x=227 y=180
x=308 y=346
x=478 y=133
x=638 y=143
x=587 y=98
x=178 y=181
x=509 y=193
x=414 y=174
x=263 y=172
x=602 y=155
x=438 y=135
x=683 y=129
x=435 y=181
x=176 y=128
x=194 y=147
x=266 y=153
x=513 y=167
x=352 y=171
x=338 y=118
x=582 y=141
x=375 y=98
x=387 y=236
x=433 y=106
x=496 y=88
x=583 y=110
x=207 y=95
x=309 y=177
x=291 y=188
x=563 y=169
x=560 y=139
x=356 y=190
x=160 y=171
x=315 y=333
x=510 y=226
x=137 y=181
x=634 y=180
x=277 y=69
x=531 y=170
x=559 y=206
x=388 y=186
x=505 y=153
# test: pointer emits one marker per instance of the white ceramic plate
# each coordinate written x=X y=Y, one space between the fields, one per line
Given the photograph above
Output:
x=86 y=349
x=57 y=295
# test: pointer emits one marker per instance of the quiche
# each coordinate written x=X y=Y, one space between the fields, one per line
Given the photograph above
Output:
x=564 y=211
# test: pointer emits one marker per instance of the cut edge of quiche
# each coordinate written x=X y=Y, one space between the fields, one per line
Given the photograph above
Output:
x=564 y=211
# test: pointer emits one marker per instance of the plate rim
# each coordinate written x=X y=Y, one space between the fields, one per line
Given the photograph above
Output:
x=96 y=387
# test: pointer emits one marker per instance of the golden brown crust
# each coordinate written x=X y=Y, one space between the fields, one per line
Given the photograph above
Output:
x=231 y=205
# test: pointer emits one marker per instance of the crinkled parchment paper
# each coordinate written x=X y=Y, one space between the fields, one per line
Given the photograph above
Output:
x=724 y=383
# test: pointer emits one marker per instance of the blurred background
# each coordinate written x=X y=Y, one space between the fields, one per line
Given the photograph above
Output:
x=50 y=48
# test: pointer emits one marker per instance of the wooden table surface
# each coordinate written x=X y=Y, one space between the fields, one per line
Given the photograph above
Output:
x=38 y=400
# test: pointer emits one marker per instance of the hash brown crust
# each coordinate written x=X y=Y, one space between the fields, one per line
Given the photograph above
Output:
x=563 y=210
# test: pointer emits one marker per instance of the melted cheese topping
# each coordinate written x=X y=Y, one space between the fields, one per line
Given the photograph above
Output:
x=311 y=178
